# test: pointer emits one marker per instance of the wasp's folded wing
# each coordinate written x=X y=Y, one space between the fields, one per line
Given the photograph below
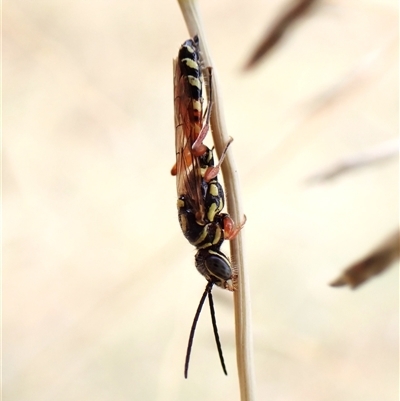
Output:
x=188 y=171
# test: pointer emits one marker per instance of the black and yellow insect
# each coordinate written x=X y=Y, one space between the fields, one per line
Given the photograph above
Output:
x=200 y=195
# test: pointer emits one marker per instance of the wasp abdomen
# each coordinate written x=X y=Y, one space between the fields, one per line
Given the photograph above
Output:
x=190 y=67
x=188 y=57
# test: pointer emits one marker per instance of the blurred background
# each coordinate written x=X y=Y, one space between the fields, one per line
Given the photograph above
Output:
x=99 y=284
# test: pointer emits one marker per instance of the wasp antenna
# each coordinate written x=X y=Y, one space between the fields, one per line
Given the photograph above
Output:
x=214 y=325
x=193 y=328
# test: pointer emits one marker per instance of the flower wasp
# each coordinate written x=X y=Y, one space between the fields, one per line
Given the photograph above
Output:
x=200 y=195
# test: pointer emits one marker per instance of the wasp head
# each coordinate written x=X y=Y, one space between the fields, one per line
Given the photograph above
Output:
x=215 y=267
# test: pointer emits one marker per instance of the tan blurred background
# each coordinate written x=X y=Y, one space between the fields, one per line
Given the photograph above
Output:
x=99 y=284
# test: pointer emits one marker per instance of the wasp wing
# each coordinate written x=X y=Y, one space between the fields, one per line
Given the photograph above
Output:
x=188 y=170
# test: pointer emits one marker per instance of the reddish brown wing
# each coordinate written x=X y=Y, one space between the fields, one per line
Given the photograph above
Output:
x=187 y=168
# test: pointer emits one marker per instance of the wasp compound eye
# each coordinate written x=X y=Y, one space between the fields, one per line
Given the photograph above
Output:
x=218 y=267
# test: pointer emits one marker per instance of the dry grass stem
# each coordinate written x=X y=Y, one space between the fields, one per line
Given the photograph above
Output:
x=376 y=262
x=244 y=350
x=281 y=26
x=382 y=152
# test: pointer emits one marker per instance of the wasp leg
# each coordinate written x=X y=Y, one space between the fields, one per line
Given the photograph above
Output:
x=174 y=170
x=198 y=148
x=230 y=230
x=213 y=171
x=188 y=160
